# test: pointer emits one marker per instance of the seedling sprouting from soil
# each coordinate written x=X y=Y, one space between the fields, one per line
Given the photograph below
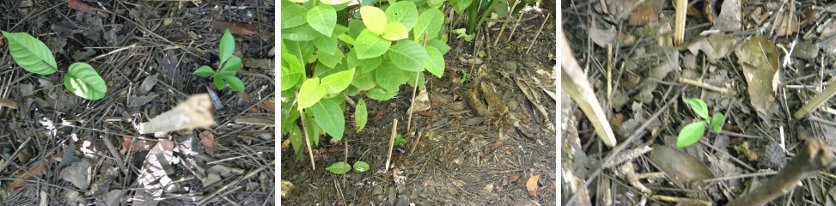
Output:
x=692 y=133
x=400 y=140
x=339 y=168
x=34 y=56
x=229 y=65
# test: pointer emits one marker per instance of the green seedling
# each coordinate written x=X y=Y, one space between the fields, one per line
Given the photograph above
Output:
x=360 y=166
x=34 y=56
x=339 y=168
x=692 y=132
x=229 y=65
x=400 y=140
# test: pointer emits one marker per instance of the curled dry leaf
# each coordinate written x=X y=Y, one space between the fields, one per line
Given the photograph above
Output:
x=759 y=58
x=235 y=28
x=531 y=185
x=195 y=112
x=207 y=139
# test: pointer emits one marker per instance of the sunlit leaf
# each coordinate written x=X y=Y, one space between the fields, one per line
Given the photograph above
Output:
x=434 y=62
x=690 y=134
x=369 y=45
x=404 y=12
x=360 y=166
x=361 y=115
x=374 y=19
x=698 y=106
x=227 y=46
x=408 y=55
x=717 y=121
x=339 y=168
x=310 y=93
x=82 y=80
x=30 y=53
x=329 y=117
x=337 y=82
x=204 y=71
x=322 y=18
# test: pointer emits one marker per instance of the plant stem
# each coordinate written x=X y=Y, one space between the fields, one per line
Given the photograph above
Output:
x=391 y=143
x=305 y=131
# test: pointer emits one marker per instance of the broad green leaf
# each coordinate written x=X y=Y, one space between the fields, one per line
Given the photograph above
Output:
x=698 y=106
x=326 y=44
x=346 y=39
x=363 y=65
x=404 y=12
x=310 y=93
x=204 y=71
x=293 y=15
x=329 y=117
x=369 y=45
x=690 y=134
x=334 y=2
x=381 y=94
x=410 y=79
x=302 y=32
x=339 y=168
x=234 y=83
x=408 y=55
x=322 y=18
x=298 y=1
x=460 y=5
x=374 y=19
x=297 y=140
x=337 y=82
x=360 y=166
x=435 y=3
x=430 y=21
x=440 y=45
x=361 y=115
x=227 y=46
x=355 y=27
x=219 y=82
x=330 y=60
x=363 y=81
x=232 y=66
x=389 y=77
x=395 y=31
x=82 y=80
x=303 y=50
x=313 y=130
x=30 y=53
x=292 y=71
x=434 y=62
x=717 y=121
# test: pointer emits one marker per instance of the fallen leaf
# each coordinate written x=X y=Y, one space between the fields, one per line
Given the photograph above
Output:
x=81 y=6
x=135 y=145
x=77 y=174
x=421 y=102
x=729 y=17
x=195 y=112
x=235 y=28
x=786 y=24
x=147 y=85
x=137 y=101
x=114 y=197
x=644 y=15
x=680 y=166
x=759 y=58
x=714 y=47
x=531 y=185
x=37 y=169
x=269 y=105
x=207 y=139
x=602 y=37
x=827 y=41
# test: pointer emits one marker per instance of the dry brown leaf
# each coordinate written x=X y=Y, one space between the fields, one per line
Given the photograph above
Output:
x=208 y=141
x=195 y=112
x=135 y=145
x=235 y=28
x=602 y=37
x=729 y=17
x=644 y=15
x=81 y=6
x=759 y=58
x=37 y=169
x=786 y=24
x=269 y=105
x=714 y=47
x=77 y=174
x=531 y=185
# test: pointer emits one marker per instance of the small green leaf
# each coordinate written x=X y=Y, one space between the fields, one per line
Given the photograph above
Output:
x=717 y=121
x=326 y=44
x=322 y=18
x=440 y=45
x=460 y=5
x=381 y=94
x=690 y=134
x=430 y=22
x=293 y=15
x=82 y=80
x=434 y=62
x=360 y=166
x=227 y=46
x=339 y=168
x=302 y=32
x=30 y=53
x=374 y=19
x=408 y=55
x=232 y=66
x=310 y=93
x=361 y=115
x=369 y=45
x=400 y=140
x=389 y=77
x=329 y=117
x=395 y=31
x=204 y=71
x=219 y=82
x=292 y=71
x=404 y=12
x=363 y=81
x=337 y=82
x=330 y=60
x=698 y=106
x=234 y=83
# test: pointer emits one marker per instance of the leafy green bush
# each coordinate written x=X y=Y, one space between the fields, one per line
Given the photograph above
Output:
x=329 y=53
x=34 y=56
x=692 y=132
x=229 y=65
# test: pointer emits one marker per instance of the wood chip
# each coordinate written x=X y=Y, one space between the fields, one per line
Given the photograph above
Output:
x=531 y=185
x=195 y=112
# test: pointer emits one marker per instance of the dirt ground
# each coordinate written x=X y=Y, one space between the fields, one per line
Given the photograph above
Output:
x=62 y=149
x=641 y=79
x=473 y=147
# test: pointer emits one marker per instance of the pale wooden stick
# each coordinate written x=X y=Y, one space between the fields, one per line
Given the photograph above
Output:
x=391 y=143
x=703 y=85
x=679 y=23
x=817 y=101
